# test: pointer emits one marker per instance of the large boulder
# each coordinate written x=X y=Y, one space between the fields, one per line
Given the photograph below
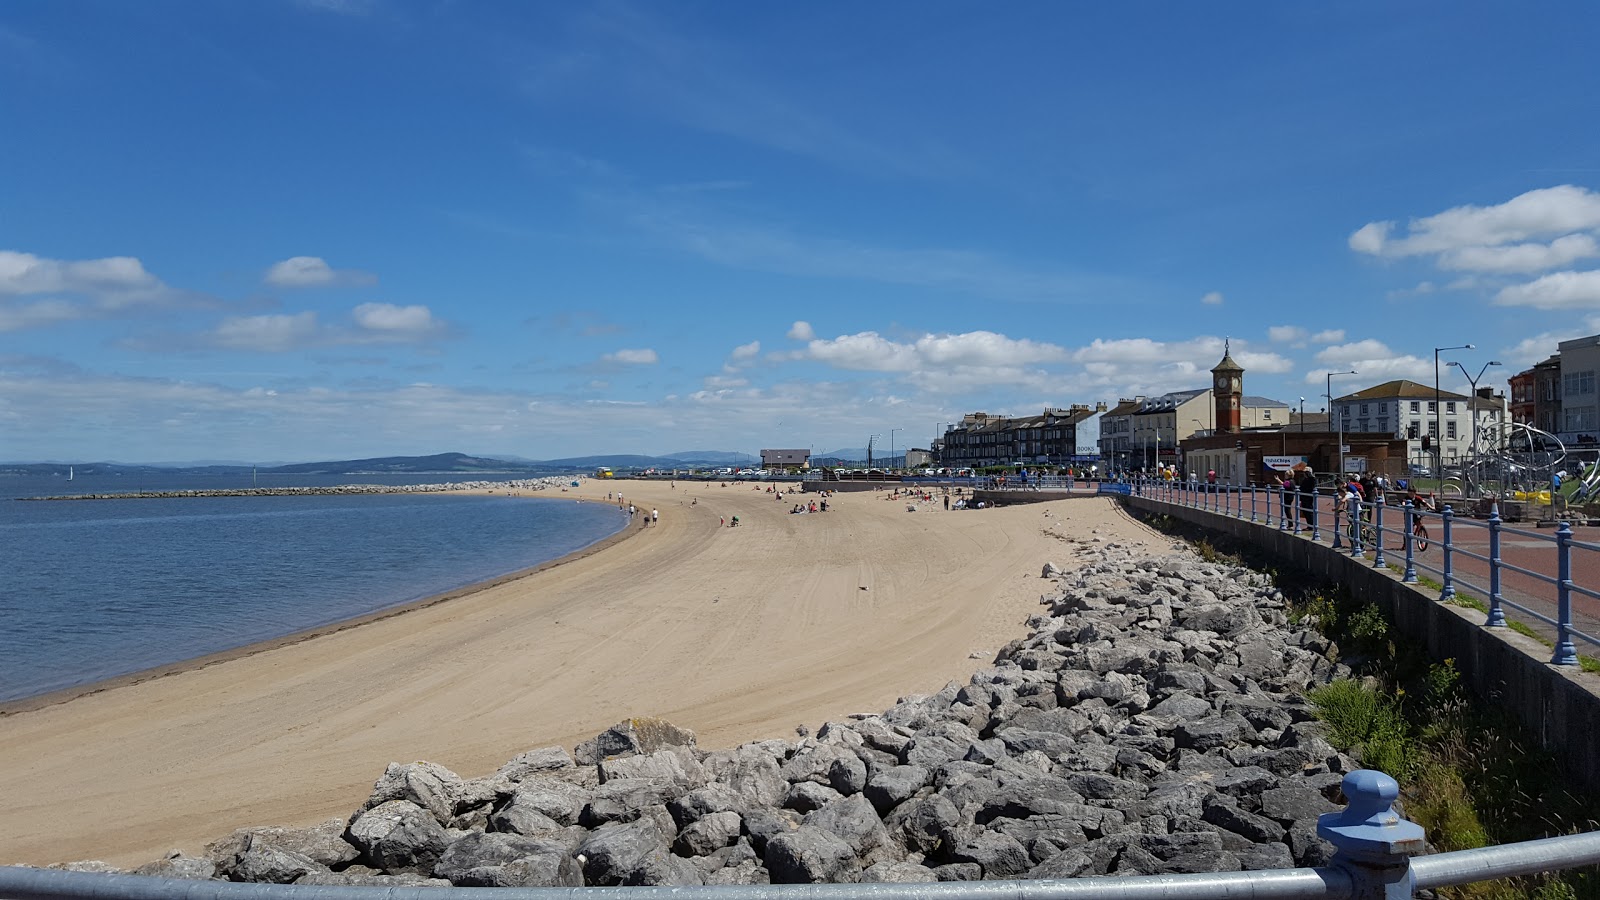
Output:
x=507 y=860
x=398 y=836
x=324 y=844
x=428 y=785
x=643 y=734
x=810 y=855
x=615 y=853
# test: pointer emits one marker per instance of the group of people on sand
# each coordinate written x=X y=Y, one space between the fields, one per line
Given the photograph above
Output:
x=809 y=507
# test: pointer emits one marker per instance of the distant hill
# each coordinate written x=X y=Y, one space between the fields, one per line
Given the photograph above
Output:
x=438 y=464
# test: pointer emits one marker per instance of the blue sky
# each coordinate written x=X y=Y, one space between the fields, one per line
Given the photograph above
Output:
x=306 y=230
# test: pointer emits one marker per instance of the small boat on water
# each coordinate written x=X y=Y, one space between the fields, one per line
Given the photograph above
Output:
x=70 y=473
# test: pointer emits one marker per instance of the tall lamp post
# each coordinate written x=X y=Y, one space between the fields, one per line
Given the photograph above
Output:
x=891 y=445
x=1302 y=414
x=1335 y=413
x=1472 y=411
x=1438 y=429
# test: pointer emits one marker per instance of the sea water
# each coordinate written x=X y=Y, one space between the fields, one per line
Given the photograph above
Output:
x=92 y=589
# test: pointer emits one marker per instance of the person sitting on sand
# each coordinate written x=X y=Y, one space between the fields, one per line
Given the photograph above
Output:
x=734 y=523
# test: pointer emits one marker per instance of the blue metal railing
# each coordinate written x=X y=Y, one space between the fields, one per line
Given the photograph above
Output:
x=1374 y=849
x=1369 y=530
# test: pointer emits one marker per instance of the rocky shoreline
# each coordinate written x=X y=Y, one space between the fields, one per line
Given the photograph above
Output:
x=1152 y=722
x=521 y=484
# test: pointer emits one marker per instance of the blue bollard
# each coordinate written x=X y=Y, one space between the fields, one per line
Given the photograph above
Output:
x=1372 y=843
x=1566 y=654
x=1449 y=589
x=1355 y=527
x=1252 y=502
x=1497 y=616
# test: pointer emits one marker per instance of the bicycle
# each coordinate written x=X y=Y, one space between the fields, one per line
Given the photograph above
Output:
x=1419 y=533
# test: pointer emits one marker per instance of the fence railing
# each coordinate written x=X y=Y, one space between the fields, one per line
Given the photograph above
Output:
x=1374 y=850
x=1545 y=566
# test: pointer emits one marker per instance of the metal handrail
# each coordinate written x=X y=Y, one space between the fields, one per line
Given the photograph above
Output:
x=1288 y=509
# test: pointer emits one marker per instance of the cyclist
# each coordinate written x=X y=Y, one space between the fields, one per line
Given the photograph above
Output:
x=1419 y=504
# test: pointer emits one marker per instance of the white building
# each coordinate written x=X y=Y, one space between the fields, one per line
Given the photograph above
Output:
x=1580 y=403
x=1408 y=410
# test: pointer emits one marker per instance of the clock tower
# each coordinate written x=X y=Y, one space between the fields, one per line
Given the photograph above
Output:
x=1227 y=390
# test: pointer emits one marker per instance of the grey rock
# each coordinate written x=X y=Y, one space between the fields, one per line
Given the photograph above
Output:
x=764 y=823
x=662 y=765
x=1307 y=848
x=428 y=785
x=713 y=798
x=543 y=759
x=897 y=873
x=1260 y=857
x=198 y=868
x=853 y=820
x=891 y=787
x=1207 y=734
x=1292 y=802
x=1224 y=813
x=962 y=871
x=506 y=860
x=752 y=771
x=1000 y=855
x=1065 y=864
x=613 y=853
x=708 y=834
x=547 y=797
x=847 y=774
x=398 y=835
x=926 y=824
x=324 y=843
x=266 y=864
x=622 y=799
x=744 y=874
x=806 y=796
x=644 y=734
x=1244 y=781
x=810 y=856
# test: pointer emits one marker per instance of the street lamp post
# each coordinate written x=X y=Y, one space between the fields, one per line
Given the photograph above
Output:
x=1302 y=414
x=1472 y=411
x=1438 y=429
x=891 y=446
x=1335 y=414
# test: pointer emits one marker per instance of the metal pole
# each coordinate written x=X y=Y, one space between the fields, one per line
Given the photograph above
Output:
x=1355 y=526
x=1378 y=561
x=1449 y=589
x=1497 y=616
x=1566 y=654
x=1410 y=545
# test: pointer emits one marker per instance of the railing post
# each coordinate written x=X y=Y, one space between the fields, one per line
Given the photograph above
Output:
x=1566 y=654
x=1378 y=561
x=1294 y=508
x=1410 y=576
x=1316 y=516
x=1283 y=507
x=1497 y=616
x=1449 y=589
x=1252 y=502
x=1338 y=523
x=1355 y=526
x=1372 y=843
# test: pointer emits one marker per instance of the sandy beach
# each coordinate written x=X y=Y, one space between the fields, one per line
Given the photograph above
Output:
x=736 y=633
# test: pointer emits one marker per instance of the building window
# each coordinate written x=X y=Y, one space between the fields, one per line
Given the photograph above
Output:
x=1266 y=415
x=1363 y=409
x=1416 y=407
x=1449 y=407
x=1432 y=407
x=1362 y=425
x=1416 y=426
x=1383 y=424
x=1577 y=382
x=1581 y=418
x=1433 y=428
x=1450 y=430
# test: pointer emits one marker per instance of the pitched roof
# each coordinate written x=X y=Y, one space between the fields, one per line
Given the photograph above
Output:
x=1251 y=401
x=1124 y=408
x=1400 y=389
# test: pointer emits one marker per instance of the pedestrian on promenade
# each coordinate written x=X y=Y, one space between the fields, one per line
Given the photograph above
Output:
x=1285 y=486
x=655 y=516
x=1308 y=496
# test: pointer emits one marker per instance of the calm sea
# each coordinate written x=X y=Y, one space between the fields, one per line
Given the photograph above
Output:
x=97 y=588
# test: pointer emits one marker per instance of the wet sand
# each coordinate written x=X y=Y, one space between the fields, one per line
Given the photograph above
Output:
x=736 y=633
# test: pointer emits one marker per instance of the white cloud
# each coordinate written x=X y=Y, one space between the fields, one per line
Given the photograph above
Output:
x=642 y=357
x=1374 y=362
x=1558 y=290
x=1520 y=258
x=1331 y=336
x=1214 y=298
x=801 y=331
x=313 y=271
x=267 y=334
x=1285 y=334
x=395 y=320
x=746 y=351
x=1553 y=211
x=870 y=351
x=25 y=273
x=17 y=316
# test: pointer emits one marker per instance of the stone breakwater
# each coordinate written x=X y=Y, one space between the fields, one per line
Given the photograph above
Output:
x=522 y=484
x=1152 y=722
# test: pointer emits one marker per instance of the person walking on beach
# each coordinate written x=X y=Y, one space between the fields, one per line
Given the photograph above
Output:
x=946 y=502
x=722 y=521
x=655 y=516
